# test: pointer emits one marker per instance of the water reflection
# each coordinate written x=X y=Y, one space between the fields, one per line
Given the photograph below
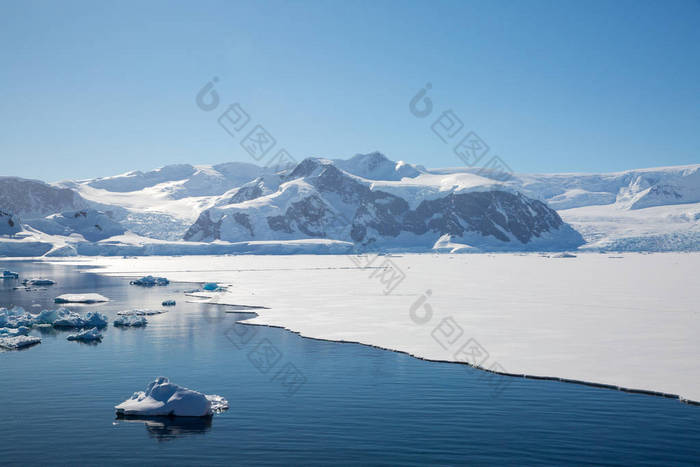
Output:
x=169 y=428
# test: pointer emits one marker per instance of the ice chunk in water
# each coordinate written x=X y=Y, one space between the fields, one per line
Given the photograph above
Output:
x=89 y=335
x=163 y=398
x=150 y=281
x=18 y=342
x=81 y=298
x=132 y=321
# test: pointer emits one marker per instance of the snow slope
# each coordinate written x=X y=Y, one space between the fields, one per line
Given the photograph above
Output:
x=368 y=200
x=630 y=320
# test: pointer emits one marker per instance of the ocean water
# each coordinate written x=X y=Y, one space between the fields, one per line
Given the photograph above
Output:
x=296 y=400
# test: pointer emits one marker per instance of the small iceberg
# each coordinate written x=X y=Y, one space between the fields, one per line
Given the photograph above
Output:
x=141 y=312
x=81 y=298
x=210 y=286
x=15 y=318
x=10 y=275
x=130 y=321
x=39 y=282
x=564 y=255
x=150 y=281
x=163 y=398
x=19 y=342
x=89 y=335
x=63 y=318
x=168 y=303
x=14 y=332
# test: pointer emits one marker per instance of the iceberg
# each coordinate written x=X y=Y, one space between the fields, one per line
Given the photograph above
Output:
x=18 y=342
x=15 y=318
x=39 y=282
x=14 y=332
x=168 y=303
x=81 y=298
x=10 y=275
x=130 y=321
x=67 y=319
x=150 y=281
x=210 y=286
x=88 y=335
x=163 y=398
x=141 y=312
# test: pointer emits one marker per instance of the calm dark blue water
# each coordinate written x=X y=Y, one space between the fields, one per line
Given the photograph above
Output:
x=358 y=405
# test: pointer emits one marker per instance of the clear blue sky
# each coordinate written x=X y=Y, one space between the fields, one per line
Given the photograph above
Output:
x=97 y=88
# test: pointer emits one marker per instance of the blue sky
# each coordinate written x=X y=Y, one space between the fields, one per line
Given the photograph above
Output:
x=98 y=88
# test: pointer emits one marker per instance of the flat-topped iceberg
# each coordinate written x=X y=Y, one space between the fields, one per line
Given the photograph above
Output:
x=39 y=282
x=14 y=332
x=18 y=342
x=141 y=312
x=150 y=281
x=130 y=321
x=88 y=335
x=163 y=398
x=81 y=298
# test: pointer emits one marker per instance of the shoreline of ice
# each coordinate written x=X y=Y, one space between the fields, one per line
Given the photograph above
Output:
x=590 y=320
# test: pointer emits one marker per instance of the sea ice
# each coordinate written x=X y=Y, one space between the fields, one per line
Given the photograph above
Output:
x=81 y=298
x=39 y=282
x=591 y=319
x=14 y=332
x=163 y=398
x=88 y=335
x=15 y=317
x=150 y=281
x=68 y=319
x=141 y=312
x=130 y=321
x=18 y=342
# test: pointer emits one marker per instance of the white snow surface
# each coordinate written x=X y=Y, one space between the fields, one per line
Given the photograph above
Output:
x=630 y=320
x=163 y=398
x=18 y=342
x=87 y=335
x=81 y=298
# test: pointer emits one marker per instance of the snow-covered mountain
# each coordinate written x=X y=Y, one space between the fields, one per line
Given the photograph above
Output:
x=32 y=198
x=331 y=205
x=319 y=200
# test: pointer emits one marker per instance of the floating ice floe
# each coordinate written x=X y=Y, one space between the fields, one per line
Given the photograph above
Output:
x=130 y=321
x=68 y=319
x=168 y=303
x=150 y=281
x=81 y=298
x=141 y=312
x=18 y=342
x=10 y=275
x=39 y=282
x=15 y=318
x=163 y=398
x=564 y=255
x=14 y=332
x=88 y=335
